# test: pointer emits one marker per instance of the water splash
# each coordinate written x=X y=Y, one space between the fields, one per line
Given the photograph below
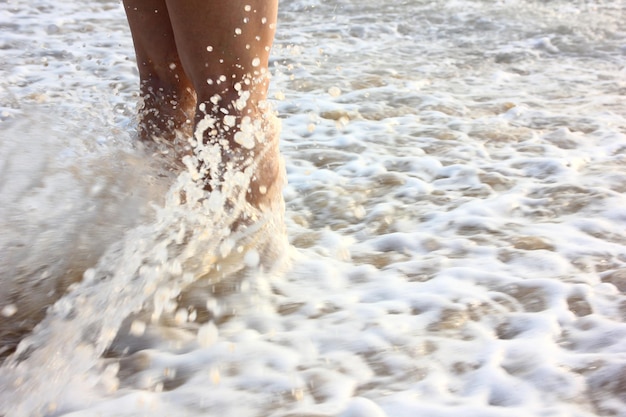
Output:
x=195 y=235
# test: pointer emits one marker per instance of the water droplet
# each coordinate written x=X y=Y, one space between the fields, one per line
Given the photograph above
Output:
x=137 y=328
x=230 y=121
x=9 y=310
x=181 y=316
x=252 y=257
x=256 y=62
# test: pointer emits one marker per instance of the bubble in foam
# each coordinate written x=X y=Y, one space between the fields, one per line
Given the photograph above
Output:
x=359 y=212
x=334 y=91
x=362 y=407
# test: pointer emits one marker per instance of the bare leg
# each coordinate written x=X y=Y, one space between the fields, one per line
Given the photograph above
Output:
x=224 y=48
x=167 y=92
x=217 y=50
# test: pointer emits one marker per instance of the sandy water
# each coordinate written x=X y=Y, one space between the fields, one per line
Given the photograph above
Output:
x=455 y=213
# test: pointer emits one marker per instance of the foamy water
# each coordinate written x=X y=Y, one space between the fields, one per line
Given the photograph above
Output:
x=455 y=211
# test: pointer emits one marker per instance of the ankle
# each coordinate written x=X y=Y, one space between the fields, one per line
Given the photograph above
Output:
x=251 y=147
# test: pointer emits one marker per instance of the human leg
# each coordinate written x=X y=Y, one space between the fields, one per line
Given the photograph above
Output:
x=167 y=93
x=224 y=49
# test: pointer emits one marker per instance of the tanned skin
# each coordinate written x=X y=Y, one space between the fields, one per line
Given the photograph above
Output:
x=198 y=58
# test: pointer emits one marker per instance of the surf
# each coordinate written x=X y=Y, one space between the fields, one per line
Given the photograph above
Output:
x=163 y=264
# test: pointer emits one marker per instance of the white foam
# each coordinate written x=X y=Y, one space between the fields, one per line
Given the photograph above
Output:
x=455 y=208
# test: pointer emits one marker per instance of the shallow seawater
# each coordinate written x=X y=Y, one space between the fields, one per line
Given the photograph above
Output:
x=454 y=209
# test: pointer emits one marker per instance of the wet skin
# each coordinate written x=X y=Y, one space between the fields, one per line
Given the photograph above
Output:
x=207 y=59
